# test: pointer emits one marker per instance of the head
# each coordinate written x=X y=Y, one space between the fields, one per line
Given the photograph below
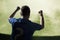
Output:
x=25 y=12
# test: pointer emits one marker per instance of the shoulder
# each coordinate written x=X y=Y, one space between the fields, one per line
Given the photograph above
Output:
x=13 y=20
x=19 y=19
x=35 y=24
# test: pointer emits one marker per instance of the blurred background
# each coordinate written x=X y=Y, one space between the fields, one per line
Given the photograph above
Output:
x=51 y=9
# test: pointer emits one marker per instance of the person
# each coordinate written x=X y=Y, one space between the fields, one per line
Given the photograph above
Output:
x=29 y=26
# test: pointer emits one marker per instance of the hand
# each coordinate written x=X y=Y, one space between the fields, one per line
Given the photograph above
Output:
x=18 y=8
x=41 y=12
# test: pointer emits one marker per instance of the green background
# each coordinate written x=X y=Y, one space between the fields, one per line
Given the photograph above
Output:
x=51 y=15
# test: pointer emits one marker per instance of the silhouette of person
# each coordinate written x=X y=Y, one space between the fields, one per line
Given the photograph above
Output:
x=29 y=26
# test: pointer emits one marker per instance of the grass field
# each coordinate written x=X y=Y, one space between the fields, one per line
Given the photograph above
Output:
x=51 y=16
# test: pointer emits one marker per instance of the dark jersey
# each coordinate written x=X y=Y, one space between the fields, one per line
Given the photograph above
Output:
x=26 y=29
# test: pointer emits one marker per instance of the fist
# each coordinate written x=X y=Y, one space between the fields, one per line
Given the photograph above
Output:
x=41 y=12
x=18 y=8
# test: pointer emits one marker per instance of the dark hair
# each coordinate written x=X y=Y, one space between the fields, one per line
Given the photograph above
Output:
x=25 y=10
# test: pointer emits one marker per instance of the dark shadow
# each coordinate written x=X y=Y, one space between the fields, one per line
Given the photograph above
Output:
x=46 y=38
x=4 y=37
x=7 y=37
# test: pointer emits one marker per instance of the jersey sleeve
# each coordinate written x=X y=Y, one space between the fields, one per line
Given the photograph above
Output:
x=37 y=26
x=12 y=20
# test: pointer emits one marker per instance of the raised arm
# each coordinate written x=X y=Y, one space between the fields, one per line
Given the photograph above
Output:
x=42 y=18
x=13 y=14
